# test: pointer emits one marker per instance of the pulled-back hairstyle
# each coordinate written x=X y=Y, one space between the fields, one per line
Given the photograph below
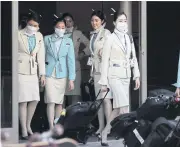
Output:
x=67 y=14
x=59 y=19
x=99 y=14
x=117 y=14
x=34 y=16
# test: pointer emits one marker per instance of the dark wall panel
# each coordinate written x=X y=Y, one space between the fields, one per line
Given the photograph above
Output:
x=45 y=8
x=163 y=42
x=6 y=65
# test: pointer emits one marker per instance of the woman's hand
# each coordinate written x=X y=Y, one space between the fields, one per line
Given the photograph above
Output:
x=177 y=92
x=43 y=81
x=104 y=88
x=71 y=85
x=137 y=84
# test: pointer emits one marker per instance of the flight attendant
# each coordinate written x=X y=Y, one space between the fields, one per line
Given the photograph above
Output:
x=60 y=68
x=117 y=60
x=31 y=68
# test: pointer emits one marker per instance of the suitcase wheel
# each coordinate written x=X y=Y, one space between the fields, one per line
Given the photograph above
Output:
x=85 y=140
x=82 y=138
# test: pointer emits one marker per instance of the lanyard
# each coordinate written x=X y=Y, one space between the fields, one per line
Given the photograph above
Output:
x=91 y=45
x=59 y=66
x=59 y=50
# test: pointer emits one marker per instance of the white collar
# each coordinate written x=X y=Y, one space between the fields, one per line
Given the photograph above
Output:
x=97 y=30
x=120 y=33
x=70 y=30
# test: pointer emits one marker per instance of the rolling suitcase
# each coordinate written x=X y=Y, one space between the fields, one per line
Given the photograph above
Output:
x=160 y=106
x=158 y=92
x=78 y=118
x=88 y=94
x=161 y=132
x=173 y=139
x=137 y=133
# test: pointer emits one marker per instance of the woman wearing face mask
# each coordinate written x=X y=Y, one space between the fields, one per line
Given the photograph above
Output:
x=60 y=65
x=31 y=58
x=117 y=60
x=78 y=38
x=98 y=38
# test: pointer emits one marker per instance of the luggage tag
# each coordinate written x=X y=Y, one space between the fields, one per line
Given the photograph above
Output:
x=63 y=113
x=89 y=61
x=138 y=136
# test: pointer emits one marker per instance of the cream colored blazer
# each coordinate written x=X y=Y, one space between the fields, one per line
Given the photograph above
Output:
x=116 y=62
x=31 y=63
x=98 y=45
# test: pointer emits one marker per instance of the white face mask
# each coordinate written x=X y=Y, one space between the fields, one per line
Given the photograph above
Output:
x=60 y=32
x=31 y=30
x=122 y=26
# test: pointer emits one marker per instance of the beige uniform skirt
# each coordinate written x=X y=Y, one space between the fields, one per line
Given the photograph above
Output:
x=97 y=87
x=120 y=90
x=28 y=88
x=55 y=89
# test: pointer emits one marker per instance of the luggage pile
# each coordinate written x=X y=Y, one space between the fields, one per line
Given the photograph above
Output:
x=153 y=124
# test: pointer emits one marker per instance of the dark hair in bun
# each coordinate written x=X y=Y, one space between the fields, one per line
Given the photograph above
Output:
x=34 y=16
x=117 y=14
x=99 y=14
x=59 y=19
x=67 y=14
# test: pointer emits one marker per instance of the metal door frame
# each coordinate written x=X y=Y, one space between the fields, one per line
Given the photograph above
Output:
x=143 y=51
x=14 y=133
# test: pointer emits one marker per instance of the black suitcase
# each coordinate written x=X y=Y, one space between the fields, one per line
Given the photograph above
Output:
x=158 y=92
x=88 y=94
x=173 y=139
x=78 y=118
x=161 y=131
x=137 y=133
x=121 y=123
x=160 y=106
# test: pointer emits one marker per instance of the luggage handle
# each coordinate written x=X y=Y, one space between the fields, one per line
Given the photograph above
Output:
x=101 y=99
x=172 y=133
